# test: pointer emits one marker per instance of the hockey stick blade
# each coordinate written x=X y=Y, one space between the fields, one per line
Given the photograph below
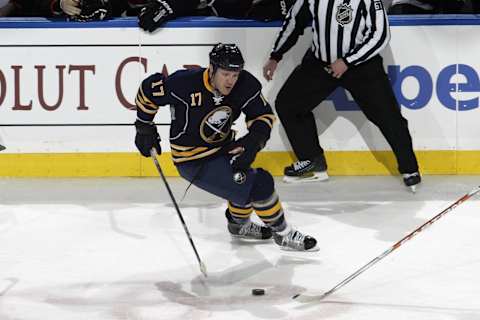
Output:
x=308 y=298
x=203 y=269
x=305 y=298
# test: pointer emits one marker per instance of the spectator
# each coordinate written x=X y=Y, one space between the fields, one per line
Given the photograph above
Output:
x=453 y=6
x=476 y=6
x=157 y=12
x=413 y=7
x=6 y=7
x=40 y=8
x=152 y=13
x=76 y=10
x=431 y=6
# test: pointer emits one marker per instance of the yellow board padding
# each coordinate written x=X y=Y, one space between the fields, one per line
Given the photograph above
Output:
x=468 y=162
x=134 y=165
x=363 y=163
x=69 y=164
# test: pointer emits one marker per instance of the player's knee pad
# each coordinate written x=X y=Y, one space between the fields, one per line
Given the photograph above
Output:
x=263 y=187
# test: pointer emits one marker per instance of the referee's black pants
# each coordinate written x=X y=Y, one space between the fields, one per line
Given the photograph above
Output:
x=309 y=84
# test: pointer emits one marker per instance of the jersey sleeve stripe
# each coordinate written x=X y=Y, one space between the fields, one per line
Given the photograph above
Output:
x=144 y=108
x=145 y=99
x=269 y=119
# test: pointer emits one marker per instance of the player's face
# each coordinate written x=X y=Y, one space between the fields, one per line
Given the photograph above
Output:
x=224 y=80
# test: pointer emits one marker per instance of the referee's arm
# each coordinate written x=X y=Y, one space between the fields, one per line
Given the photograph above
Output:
x=377 y=35
x=297 y=19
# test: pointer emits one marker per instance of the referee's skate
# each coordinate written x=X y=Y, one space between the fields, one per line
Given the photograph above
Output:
x=306 y=171
x=412 y=180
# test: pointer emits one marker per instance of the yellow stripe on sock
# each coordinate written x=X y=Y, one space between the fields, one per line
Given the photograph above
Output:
x=240 y=211
x=269 y=212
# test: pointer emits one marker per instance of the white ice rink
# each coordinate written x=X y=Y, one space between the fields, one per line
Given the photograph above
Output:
x=111 y=249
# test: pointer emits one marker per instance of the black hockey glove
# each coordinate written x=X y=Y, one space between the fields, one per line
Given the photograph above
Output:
x=154 y=14
x=93 y=10
x=147 y=137
x=251 y=144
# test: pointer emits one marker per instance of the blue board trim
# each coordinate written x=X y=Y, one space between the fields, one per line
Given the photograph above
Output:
x=216 y=22
x=131 y=22
x=435 y=20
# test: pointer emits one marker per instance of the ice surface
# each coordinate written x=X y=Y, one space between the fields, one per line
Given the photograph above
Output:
x=105 y=249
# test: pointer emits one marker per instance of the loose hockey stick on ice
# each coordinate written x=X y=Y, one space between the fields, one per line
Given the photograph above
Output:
x=153 y=154
x=305 y=298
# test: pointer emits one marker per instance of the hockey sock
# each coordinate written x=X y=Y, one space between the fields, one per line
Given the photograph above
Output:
x=285 y=231
x=270 y=211
x=238 y=213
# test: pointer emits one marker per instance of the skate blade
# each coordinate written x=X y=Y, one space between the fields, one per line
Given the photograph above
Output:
x=238 y=238
x=413 y=188
x=314 y=249
x=317 y=176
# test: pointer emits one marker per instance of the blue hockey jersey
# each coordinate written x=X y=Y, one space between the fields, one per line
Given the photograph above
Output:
x=202 y=118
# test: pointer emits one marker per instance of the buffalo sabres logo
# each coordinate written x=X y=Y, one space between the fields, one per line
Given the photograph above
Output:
x=215 y=127
x=344 y=14
x=239 y=177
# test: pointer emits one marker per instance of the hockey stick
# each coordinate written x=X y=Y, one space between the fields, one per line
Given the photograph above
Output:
x=313 y=298
x=153 y=154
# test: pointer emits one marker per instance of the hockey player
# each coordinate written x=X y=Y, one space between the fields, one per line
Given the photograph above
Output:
x=204 y=103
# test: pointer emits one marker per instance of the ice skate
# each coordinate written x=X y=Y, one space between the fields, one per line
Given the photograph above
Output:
x=247 y=231
x=306 y=171
x=294 y=240
x=411 y=180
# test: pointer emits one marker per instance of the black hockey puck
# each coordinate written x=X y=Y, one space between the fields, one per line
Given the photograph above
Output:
x=258 y=292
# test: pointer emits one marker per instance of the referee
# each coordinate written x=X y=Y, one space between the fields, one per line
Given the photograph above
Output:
x=348 y=36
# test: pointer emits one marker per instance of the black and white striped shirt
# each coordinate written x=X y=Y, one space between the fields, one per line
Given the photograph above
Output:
x=355 y=30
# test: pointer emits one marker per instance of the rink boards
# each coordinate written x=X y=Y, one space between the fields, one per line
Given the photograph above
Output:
x=67 y=94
